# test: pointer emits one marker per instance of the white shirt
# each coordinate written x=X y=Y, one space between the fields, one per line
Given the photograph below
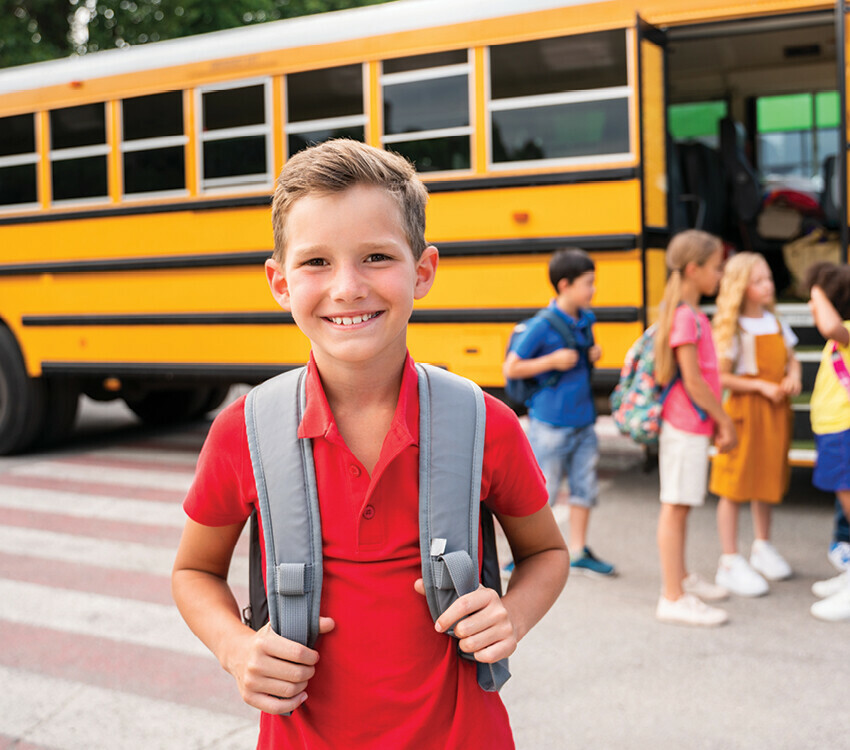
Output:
x=743 y=354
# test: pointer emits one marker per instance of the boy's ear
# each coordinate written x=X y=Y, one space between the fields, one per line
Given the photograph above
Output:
x=426 y=270
x=277 y=283
x=563 y=285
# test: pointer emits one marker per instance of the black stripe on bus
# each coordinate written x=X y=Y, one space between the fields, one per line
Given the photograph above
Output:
x=251 y=201
x=462 y=315
x=531 y=245
x=175 y=372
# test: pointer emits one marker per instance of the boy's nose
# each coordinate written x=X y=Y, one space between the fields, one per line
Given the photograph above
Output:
x=348 y=284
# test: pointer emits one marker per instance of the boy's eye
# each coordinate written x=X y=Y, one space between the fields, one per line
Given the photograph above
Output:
x=315 y=262
x=377 y=257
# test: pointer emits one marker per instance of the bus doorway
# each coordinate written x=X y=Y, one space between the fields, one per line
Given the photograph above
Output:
x=754 y=117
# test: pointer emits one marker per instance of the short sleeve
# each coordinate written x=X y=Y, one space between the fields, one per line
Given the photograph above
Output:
x=529 y=340
x=684 y=329
x=788 y=334
x=223 y=491
x=512 y=483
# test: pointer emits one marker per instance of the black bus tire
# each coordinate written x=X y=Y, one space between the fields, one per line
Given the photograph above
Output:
x=62 y=402
x=169 y=405
x=22 y=400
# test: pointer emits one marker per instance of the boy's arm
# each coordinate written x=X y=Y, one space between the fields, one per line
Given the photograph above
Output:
x=701 y=394
x=827 y=319
x=489 y=626
x=271 y=671
x=518 y=368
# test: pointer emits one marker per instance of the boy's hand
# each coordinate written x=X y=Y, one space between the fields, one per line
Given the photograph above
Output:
x=724 y=436
x=594 y=354
x=563 y=359
x=791 y=385
x=773 y=392
x=481 y=623
x=272 y=672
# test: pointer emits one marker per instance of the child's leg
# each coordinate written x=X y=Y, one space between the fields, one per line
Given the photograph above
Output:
x=762 y=513
x=672 y=525
x=841 y=532
x=581 y=461
x=549 y=447
x=844 y=498
x=727 y=525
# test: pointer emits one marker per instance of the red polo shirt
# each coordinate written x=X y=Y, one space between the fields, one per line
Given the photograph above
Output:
x=386 y=678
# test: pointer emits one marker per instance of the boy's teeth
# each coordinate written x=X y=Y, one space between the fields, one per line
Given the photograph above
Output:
x=350 y=321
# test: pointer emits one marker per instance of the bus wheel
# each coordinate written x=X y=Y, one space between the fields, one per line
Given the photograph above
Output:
x=63 y=399
x=216 y=397
x=169 y=406
x=22 y=401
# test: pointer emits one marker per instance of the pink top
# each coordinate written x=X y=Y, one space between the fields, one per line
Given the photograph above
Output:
x=678 y=409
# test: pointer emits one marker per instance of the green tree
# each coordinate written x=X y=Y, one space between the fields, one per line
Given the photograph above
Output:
x=34 y=30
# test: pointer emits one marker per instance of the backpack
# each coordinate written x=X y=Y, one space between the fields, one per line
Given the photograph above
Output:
x=451 y=454
x=637 y=399
x=521 y=390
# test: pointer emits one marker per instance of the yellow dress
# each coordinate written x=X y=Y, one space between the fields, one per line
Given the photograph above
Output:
x=757 y=469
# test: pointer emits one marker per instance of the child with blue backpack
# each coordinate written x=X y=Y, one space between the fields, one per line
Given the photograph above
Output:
x=350 y=259
x=691 y=416
x=561 y=410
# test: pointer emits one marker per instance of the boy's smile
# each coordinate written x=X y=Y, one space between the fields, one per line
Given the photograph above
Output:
x=349 y=277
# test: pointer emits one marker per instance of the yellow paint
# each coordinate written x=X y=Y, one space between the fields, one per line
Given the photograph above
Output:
x=654 y=135
x=191 y=158
x=374 y=115
x=42 y=134
x=480 y=123
x=278 y=115
x=114 y=165
x=656 y=280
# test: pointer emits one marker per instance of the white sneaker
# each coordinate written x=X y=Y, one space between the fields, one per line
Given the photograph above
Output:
x=705 y=590
x=834 y=608
x=766 y=560
x=824 y=589
x=688 y=610
x=734 y=573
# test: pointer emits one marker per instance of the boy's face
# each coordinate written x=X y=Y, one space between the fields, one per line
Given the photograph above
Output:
x=349 y=277
x=581 y=291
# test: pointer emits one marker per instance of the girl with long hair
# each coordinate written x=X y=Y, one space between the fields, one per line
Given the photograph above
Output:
x=760 y=371
x=692 y=415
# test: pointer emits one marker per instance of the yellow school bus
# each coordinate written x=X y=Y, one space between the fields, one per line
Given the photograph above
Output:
x=135 y=183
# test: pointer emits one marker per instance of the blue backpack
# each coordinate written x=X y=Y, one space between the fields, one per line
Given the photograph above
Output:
x=520 y=390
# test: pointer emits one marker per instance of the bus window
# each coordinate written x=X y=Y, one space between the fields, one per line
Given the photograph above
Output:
x=560 y=99
x=78 y=151
x=18 y=160
x=235 y=137
x=696 y=121
x=426 y=110
x=795 y=133
x=153 y=143
x=324 y=104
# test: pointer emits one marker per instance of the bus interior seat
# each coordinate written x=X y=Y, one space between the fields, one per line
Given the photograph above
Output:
x=745 y=189
x=680 y=199
x=829 y=193
x=703 y=178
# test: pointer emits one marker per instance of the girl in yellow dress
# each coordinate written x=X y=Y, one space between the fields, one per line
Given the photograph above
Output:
x=760 y=371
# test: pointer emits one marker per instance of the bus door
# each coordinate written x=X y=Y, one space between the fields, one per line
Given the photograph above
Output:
x=655 y=196
x=842 y=37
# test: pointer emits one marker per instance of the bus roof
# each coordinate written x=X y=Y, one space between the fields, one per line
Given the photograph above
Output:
x=324 y=28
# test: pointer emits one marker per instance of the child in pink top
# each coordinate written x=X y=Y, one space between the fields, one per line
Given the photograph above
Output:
x=691 y=415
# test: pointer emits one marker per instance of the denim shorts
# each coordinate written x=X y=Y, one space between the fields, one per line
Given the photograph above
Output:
x=832 y=468
x=571 y=452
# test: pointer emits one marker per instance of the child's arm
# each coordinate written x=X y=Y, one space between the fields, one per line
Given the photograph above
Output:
x=271 y=672
x=827 y=319
x=517 y=368
x=792 y=383
x=700 y=393
x=774 y=392
x=489 y=626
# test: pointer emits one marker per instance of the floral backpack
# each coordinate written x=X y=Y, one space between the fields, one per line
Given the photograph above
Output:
x=637 y=400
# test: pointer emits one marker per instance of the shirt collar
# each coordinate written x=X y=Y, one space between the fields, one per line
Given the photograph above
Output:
x=585 y=317
x=318 y=420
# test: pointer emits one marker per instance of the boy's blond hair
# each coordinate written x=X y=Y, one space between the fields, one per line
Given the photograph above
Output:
x=731 y=299
x=336 y=165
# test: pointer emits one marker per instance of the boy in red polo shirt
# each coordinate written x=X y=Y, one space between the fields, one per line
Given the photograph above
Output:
x=350 y=258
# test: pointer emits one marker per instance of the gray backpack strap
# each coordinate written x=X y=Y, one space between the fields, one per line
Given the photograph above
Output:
x=452 y=419
x=288 y=504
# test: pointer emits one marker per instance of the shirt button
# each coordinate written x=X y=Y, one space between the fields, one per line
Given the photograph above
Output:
x=354 y=470
x=369 y=512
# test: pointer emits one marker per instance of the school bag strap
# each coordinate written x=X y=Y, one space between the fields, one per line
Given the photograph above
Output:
x=452 y=420
x=840 y=368
x=288 y=505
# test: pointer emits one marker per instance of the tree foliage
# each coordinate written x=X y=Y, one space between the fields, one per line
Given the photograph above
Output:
x=35 y=30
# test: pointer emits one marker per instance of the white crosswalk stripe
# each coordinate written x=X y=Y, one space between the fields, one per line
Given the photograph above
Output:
x=125 y=620
x=91 y=506
x=83 y=717
x=105 y=474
